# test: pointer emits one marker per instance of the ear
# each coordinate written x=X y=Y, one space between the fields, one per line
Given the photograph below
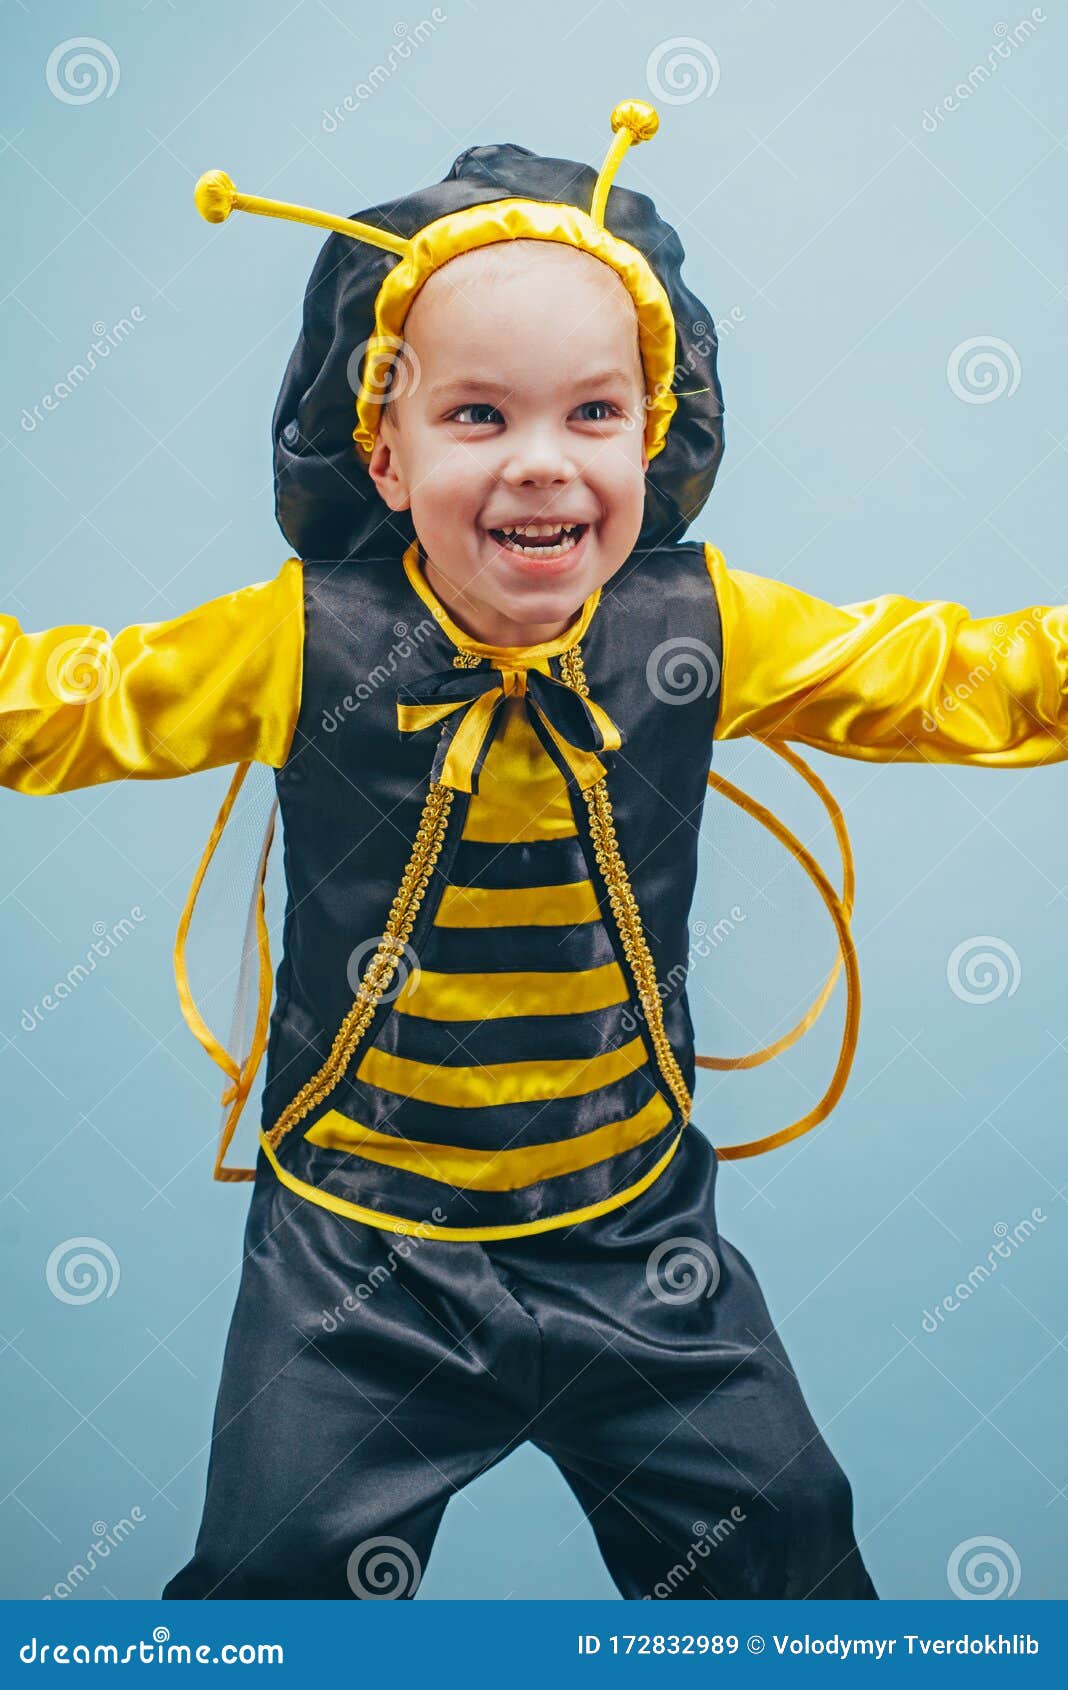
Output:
x=387 y=472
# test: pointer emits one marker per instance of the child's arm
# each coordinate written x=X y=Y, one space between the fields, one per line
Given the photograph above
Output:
x=219 y=684
x=891 y=678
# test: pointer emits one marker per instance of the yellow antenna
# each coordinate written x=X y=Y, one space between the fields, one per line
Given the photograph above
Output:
x=632 y=120
x=216 y=197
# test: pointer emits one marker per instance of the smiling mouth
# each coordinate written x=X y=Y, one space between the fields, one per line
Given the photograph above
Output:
x=540 y=539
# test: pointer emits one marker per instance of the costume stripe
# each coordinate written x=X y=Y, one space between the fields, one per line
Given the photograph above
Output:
x=508 y=1038
x=493 y=1126
x=518 y=906
x=501 y=950
x=508 y=1082
x=492 y=1170
x=419 y=1222
x=466 y=997
x=528 y=862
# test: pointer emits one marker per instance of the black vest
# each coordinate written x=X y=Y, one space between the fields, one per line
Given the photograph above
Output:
x=352 y=795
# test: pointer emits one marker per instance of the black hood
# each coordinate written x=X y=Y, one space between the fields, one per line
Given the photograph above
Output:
x=326 y=503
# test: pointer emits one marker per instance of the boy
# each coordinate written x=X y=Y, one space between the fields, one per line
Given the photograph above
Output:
x=477 y=1215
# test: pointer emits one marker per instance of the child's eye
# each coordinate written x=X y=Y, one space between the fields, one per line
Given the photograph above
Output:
x=458 y=416
x=606 y=404
x=481 y=413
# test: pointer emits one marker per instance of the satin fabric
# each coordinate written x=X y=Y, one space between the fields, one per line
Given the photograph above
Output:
x=891 y=678
x=219 y=684
x=518 y=929
x=541 y=1097
x=572 y=728
x=352 y=796
x=341 y=1424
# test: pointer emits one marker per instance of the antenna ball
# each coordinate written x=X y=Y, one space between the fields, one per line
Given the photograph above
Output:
x=215 y=195
x=638 y=116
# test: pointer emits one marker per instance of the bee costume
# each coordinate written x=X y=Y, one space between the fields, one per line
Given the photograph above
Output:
x=480 y=1207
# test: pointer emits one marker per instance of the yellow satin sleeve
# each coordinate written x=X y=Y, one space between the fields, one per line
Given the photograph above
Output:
x=219 y=684
x=891 y=678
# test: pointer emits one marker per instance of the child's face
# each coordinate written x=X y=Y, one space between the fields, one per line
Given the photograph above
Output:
x=528 y=407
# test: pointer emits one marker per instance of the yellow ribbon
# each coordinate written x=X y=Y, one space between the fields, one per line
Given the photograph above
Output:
x=572 y=728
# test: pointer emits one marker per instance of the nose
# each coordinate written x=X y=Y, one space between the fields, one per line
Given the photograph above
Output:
x=537 y=454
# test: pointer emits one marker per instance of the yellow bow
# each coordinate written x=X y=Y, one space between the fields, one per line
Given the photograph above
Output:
x=572 y=728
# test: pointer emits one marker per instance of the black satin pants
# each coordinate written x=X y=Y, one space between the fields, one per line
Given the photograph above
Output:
x=368 y=1377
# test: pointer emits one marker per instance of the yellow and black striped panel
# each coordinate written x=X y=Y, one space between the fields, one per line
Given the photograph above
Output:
x=513 y=1077
x=496 y=1169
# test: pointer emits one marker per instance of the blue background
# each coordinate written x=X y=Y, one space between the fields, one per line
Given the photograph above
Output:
x=847 y=249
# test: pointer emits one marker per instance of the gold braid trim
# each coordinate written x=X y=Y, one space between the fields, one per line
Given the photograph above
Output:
x=425 y=851
x=625 y=907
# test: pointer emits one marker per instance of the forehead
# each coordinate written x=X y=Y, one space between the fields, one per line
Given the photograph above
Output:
x=565 y=299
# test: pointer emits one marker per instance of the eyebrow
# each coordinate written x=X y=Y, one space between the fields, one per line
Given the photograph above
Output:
x=480 y=384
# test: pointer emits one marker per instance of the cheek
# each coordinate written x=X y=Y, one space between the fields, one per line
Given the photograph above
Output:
x=617 y=472
x=452 y=473
x=447 y=498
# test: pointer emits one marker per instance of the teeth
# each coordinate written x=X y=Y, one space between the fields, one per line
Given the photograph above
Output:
x=570 y=541
x=523 y=538
x=537 y=530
